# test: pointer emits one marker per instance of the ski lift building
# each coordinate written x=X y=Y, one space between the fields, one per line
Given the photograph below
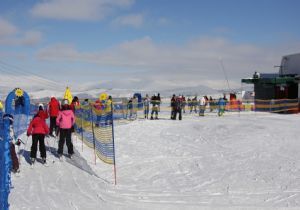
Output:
x=283 y=85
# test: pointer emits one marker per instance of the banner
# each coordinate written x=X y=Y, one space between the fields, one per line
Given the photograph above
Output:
x=68 y=95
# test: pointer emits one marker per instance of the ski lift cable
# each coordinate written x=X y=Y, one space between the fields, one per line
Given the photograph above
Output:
x=29 y=77
x=32 y=76
x=17 y=74
x=23 y=71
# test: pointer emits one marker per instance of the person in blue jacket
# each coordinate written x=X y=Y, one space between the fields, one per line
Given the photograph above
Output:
x=222 y=104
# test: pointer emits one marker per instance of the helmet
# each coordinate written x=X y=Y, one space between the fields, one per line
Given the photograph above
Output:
x=41 y=107
x=65 y=102
x=10 y=117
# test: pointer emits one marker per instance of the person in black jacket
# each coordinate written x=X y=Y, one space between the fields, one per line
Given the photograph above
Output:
x=173 y=106
x=155 y=104
x=177 y=108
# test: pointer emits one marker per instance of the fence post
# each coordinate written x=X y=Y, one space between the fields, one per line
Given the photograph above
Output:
x=94 y=144
x=81 y=128
x=113 y=139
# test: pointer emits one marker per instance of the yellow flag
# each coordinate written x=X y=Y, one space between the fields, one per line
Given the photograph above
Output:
x=68 y=95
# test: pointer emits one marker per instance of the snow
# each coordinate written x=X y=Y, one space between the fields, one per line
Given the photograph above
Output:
x=238 y=161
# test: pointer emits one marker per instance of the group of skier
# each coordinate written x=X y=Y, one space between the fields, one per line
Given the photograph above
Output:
x=62 y=120
x=155 y=101
x=179 y=103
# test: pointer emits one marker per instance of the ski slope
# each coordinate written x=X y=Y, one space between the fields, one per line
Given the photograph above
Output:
x=246 y=161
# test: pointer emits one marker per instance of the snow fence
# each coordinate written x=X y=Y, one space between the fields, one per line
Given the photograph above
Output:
x=95 y=126
x=17 y=104
x=5 y=163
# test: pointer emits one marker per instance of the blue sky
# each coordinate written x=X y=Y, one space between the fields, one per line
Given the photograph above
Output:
x=157 y=43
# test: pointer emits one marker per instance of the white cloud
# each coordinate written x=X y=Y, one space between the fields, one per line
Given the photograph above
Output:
x=11 y=35
x=134 y=20
x=196 y=62
x=78 y=9
x=6 y=28
x=31 y=38
x=27 y=38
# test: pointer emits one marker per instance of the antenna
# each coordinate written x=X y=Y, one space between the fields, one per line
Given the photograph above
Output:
x=222 y=65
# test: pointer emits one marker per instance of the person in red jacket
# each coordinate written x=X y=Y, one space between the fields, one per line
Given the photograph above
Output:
x=38 y=129
x=53 y=109
x=65 y=120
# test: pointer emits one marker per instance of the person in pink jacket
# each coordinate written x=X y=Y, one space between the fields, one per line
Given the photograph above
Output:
x=65 y=120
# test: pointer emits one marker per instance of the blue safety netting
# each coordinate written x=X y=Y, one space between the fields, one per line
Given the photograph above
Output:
x=5 y=163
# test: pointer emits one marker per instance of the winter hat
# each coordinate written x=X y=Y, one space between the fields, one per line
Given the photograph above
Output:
x=41 y=107
x=10 y=117
x=65 y=104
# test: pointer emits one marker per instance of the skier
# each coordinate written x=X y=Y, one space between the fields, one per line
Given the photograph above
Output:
x=98 y=107
x=189 y=103
x=38 y=129
x=13 y=142
x=53 y=109
x=158 y=101
x=135 y=106
x=202 y=105
x=177 y=108
x=173 y=101
x=222 y=103
x=194 y=104
x=108 y=111
x=65 y=120
x=211 y=104
x=146 y=106
x=183 y=103
x=75 y=103
x=154 y=102
x=130 y=108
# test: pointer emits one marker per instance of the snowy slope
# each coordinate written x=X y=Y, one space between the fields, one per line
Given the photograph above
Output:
x=242 y=161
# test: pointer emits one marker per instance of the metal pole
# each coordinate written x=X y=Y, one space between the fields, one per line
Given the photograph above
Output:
x=93 y=134
x=113 y=139
x=81 y=129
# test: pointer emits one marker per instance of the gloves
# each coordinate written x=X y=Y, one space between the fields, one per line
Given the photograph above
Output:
x=28 y=134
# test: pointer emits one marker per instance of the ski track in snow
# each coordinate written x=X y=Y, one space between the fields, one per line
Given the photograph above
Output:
x=231 y=161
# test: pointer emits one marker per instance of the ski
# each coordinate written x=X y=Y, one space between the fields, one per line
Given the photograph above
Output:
x=45 y=164
x=32 y=165
x=61 y=159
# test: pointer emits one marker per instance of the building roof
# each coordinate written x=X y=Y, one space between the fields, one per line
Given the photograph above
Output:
x=271 y=79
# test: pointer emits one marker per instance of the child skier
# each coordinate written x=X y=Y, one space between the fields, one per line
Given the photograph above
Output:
x=38 y=129
x=53 y=109
x=146 y=106
x=65 y=120
x=13 y=142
